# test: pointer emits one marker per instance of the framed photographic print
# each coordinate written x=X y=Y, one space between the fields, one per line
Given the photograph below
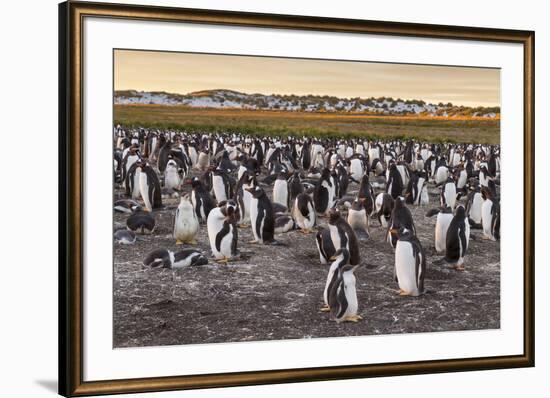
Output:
x=254 y=199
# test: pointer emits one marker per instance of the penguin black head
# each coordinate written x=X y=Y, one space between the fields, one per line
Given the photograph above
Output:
x=256 y=191
x=486 y=193
x=325 y=174
x=460 y=212
x=333 y=216
x=399 y=202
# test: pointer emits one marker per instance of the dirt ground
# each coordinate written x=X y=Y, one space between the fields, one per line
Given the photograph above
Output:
x=275 y=292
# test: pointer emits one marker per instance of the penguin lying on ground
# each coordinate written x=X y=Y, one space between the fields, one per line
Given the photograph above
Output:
x=125 y=237
x=126 y=206
x=141 y=222
x=165 y=258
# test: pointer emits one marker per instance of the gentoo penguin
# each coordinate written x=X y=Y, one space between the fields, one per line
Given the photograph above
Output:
x=367 y=193
x=280 y=190
x=448 y=193
x=458 y=237
x=186 y=223
x=149 y=187
x=342 y=235
x=339 y=260
x=295 y=186
x=284 y=223
x=342 y=298
x=126 y=206
x=262 y=217
x=357 y=169
x=243 y=197
x=384 y=206
x=132 y=181
x=394 y=185
x=171 y=175
x=417 y=190
x=125 y=237
x=201 y=199
x=324 y=245
x=358 y=219
x=400 y=217
x=324 y=193
x=141 y=222
x=303 y=212
x=165 y=258
x=490 y=215
x=444 y=217
x=474 y=205
x=410 y=264
x=222 y=231
x=221 y=185
x=442 y=173
x=203 y=161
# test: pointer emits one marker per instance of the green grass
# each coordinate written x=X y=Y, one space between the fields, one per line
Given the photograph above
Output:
x=283 y=123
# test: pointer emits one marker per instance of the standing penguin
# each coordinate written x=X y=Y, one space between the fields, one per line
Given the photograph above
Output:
x=324 y=193
x=262 y=217
x=401 y=217
x=458 y=237
x=295 y=186
x=358 y=219
x=303 y=213
x=186 y=223
x=342 y=235
x=367 y=193
x=221 y=185
x=490 y=215
x=394 y=185
x=324 y=245
x=474 y=205
x=280 y=190
x=339 y=260
x=410 y=264
x=384 y=207
x=172 y=178
x=343 y=296
x=444 y=217
x=222 y=231
x=149 y=187
x=244 y=197
x=201 y=200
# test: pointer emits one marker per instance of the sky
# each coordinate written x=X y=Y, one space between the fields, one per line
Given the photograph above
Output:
x=183 y=73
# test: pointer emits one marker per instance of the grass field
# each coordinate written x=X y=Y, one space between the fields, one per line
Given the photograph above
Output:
x=282 y=123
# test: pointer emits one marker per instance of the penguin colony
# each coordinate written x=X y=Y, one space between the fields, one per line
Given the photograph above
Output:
x=227 y=182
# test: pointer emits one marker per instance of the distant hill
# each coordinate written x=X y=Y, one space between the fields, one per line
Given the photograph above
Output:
x=221 y=98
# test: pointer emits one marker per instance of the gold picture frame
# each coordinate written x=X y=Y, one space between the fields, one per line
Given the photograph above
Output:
x=71 y=16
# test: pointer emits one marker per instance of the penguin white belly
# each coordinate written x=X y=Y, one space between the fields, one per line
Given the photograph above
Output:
x=356 y=170
x=404 y=175
x=280 y=192
x=309 y=221
x=424 y=197
x=245 y=213
x=136 y=193
x=405 y=268
x=462 y=179
x=335 y=237
x=351 y=294
x=441 y=227
x=171 y=178
x=378 y=201
x=144 y=191
x=349 y=152
x=357 y=219
x=226 y=243
x=441 y=175
x=193 y=156
x=185 y=262
x=486 y=218
x=240 y=172
x=419 y=187
x=219 y=188
x=450 y=195
x=475 y=208
x=186 y=224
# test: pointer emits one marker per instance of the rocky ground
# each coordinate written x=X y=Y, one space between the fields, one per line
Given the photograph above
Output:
x=275 y=292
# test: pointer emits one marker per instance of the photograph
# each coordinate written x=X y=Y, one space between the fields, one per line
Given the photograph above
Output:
x=260 y=198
